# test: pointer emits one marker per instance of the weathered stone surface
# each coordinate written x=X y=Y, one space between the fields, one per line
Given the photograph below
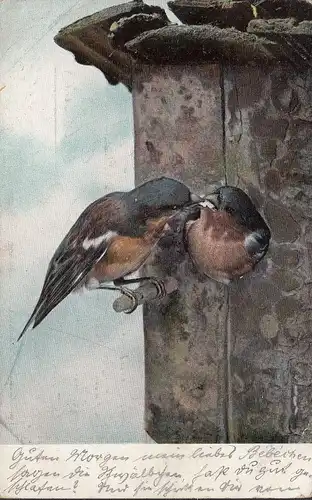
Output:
x=89 y=40
x=268 y=149
x=215 y=12
x=232 y=357
x=114 y=39
x=195 y=44
x=178 y=133
x=275 y=25
x=126 y=28
x=294 y=38
x=289 y=27
x=285 y=228
x=299 y=9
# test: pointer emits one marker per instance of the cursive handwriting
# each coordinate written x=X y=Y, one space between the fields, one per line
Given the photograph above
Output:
x=271 y=452
x=225 y=452
x=160 y=456
x=269 y=489
x=162 y=471
x=30 y=455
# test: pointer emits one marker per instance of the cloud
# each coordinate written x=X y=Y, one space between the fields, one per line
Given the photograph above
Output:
x=80 y=335
x=66 y=138
x=31 y=236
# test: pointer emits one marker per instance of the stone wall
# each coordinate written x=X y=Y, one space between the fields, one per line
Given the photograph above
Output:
x=230 y=363
x=226 y=97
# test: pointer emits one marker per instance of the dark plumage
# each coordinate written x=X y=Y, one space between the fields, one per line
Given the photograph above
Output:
x=111 y=239
x=230 y=237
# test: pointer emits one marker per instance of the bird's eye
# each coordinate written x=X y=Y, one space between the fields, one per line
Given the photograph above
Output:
x=229 y=210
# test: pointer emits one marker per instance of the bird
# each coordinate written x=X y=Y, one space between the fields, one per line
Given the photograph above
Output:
x=111 y=239
x=228 y=238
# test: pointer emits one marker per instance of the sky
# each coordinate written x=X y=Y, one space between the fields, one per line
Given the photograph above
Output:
x=66 y=138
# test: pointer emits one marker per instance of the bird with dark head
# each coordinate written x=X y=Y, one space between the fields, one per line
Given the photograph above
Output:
x=110 y=240
x=229 y=237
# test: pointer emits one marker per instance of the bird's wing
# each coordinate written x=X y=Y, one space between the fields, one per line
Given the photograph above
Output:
x=72 y=261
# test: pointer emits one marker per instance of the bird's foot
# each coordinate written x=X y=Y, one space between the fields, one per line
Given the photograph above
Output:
x=160 y=287
x=150 y=290
x=132 y=296
x=95 y=284
x=125 y=291
x=101 y=286
x=120 y=286
x=122 y=281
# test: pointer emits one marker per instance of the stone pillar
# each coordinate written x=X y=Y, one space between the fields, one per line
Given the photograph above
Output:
x=268 y=152
x=230 y=363
x=226 y=99
x=178 y=132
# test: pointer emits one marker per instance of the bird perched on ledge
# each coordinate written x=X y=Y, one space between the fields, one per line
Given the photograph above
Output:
x=111 y=239
x=229 y=238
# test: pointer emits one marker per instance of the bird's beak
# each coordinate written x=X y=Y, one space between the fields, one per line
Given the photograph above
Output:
x=196 y=199
x=210 y=199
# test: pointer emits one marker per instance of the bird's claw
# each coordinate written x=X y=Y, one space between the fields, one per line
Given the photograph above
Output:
x=160 y=287
x=129 y=293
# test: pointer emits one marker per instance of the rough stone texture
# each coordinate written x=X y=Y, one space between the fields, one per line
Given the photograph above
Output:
x=178 y=132
x=276 y=25
x=225 y=13
x=130 y=27
x=294 y=38
x=299 y=9
x=89 y=39
x=231 y=363
x=215 y=12
x=195 y=44
x=115 y=39
x=268 y=152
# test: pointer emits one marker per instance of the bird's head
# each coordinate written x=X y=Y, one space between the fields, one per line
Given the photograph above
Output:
x=161 y=195
x=237 y=203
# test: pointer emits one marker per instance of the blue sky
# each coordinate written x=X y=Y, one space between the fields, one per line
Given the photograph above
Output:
x=66 y=139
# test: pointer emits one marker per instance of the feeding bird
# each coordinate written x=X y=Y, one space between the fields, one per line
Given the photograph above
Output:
x=110 y=240
x=229 y=237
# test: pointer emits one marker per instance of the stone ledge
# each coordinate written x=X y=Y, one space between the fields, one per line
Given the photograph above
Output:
x=127 y=28
x=115 y=39
x=195 y=44
x=90 y=40
x=236 y=14
x=286 y=26
x=299 y=9
x=294 y=37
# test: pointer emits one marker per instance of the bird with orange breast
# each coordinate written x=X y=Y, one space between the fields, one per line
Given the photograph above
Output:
x=228 y=237
x=111 y=239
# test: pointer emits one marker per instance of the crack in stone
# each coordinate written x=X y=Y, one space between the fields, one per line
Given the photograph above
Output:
x=228 y=431
x=228 y=401
x=222 y=99
x=239 y=108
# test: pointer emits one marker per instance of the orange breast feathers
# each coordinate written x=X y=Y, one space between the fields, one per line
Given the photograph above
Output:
x=125 y=255
x=216 y=246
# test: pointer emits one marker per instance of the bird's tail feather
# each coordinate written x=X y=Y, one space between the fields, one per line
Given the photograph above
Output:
x=33 y=320
x=27 y=326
